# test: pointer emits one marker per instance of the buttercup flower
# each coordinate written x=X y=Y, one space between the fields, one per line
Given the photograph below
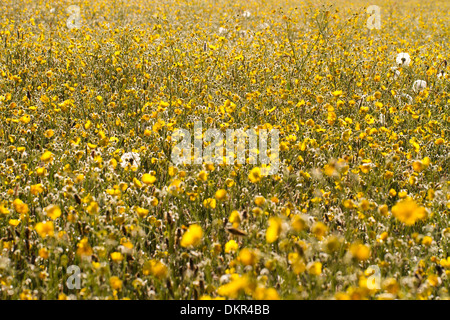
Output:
x=192 y=237
x=408 y=212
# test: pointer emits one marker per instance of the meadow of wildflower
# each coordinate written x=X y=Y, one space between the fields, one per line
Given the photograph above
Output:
x=93 y=207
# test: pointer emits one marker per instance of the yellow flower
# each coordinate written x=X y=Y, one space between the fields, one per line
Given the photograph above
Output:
x=420 y=165
x=26 y=295
x=3 y=209
x=148 y=179
x=259 y=200
x=314 y=268
x=417 y=166
x=175 y=186
x=360 y=251
x=255 y=175
x=337 y=93
x=257 y=211
x=231 y=246
x=14 y=222
x=154 y=201
x=274 y=229
x=115 y=283
x=232 y=289
x=202 y=176
x=364 y=205
x=49 y=133
x=141 y=212
x=205 y=297
x=298 y=266
x=402 y=194
x=52 y=211
x=427 y=241
x=333 y=244
x=408 y=212
x=342 y=296
x=221 y=194
x=445 y=263
x=209 y=203
x=116 y=256
x=229 y=182
x=20 y=206
x=84 y=248
x=25 y=119
x=172 y=171
x=155 y=268
x=45 y=229
x=392 y=192
x=93 y=208
x=36 y=189
x=383 y=210
x=137 y=183
x=262 y=293
x=192 y=237
x=330 y=169
x=41 y=172
x=235 y=218
x=248 y=257
x=62 y=296
x=365 y=168
x=349 y=204
x=319 y=230
x=388 y=174
x=298 y=223
x=43 y=253
x=47 y=156
x=434 y=280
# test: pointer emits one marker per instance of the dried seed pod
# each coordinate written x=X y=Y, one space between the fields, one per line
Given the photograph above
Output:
x=236 y=232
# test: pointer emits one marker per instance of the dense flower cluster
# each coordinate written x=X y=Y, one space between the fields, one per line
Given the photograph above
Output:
x=90 y=99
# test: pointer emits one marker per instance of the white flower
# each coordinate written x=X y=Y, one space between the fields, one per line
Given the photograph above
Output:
x=396 y=72
x=419 y=85
x=243 y=33
x=264 y=25
x=52 y=10
x=222 y=30
x=246 y=14
x=441 y=75
x=403 y=59
x=4 y=263
x=405 y=97
x=130 y=158
x=225 y=278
